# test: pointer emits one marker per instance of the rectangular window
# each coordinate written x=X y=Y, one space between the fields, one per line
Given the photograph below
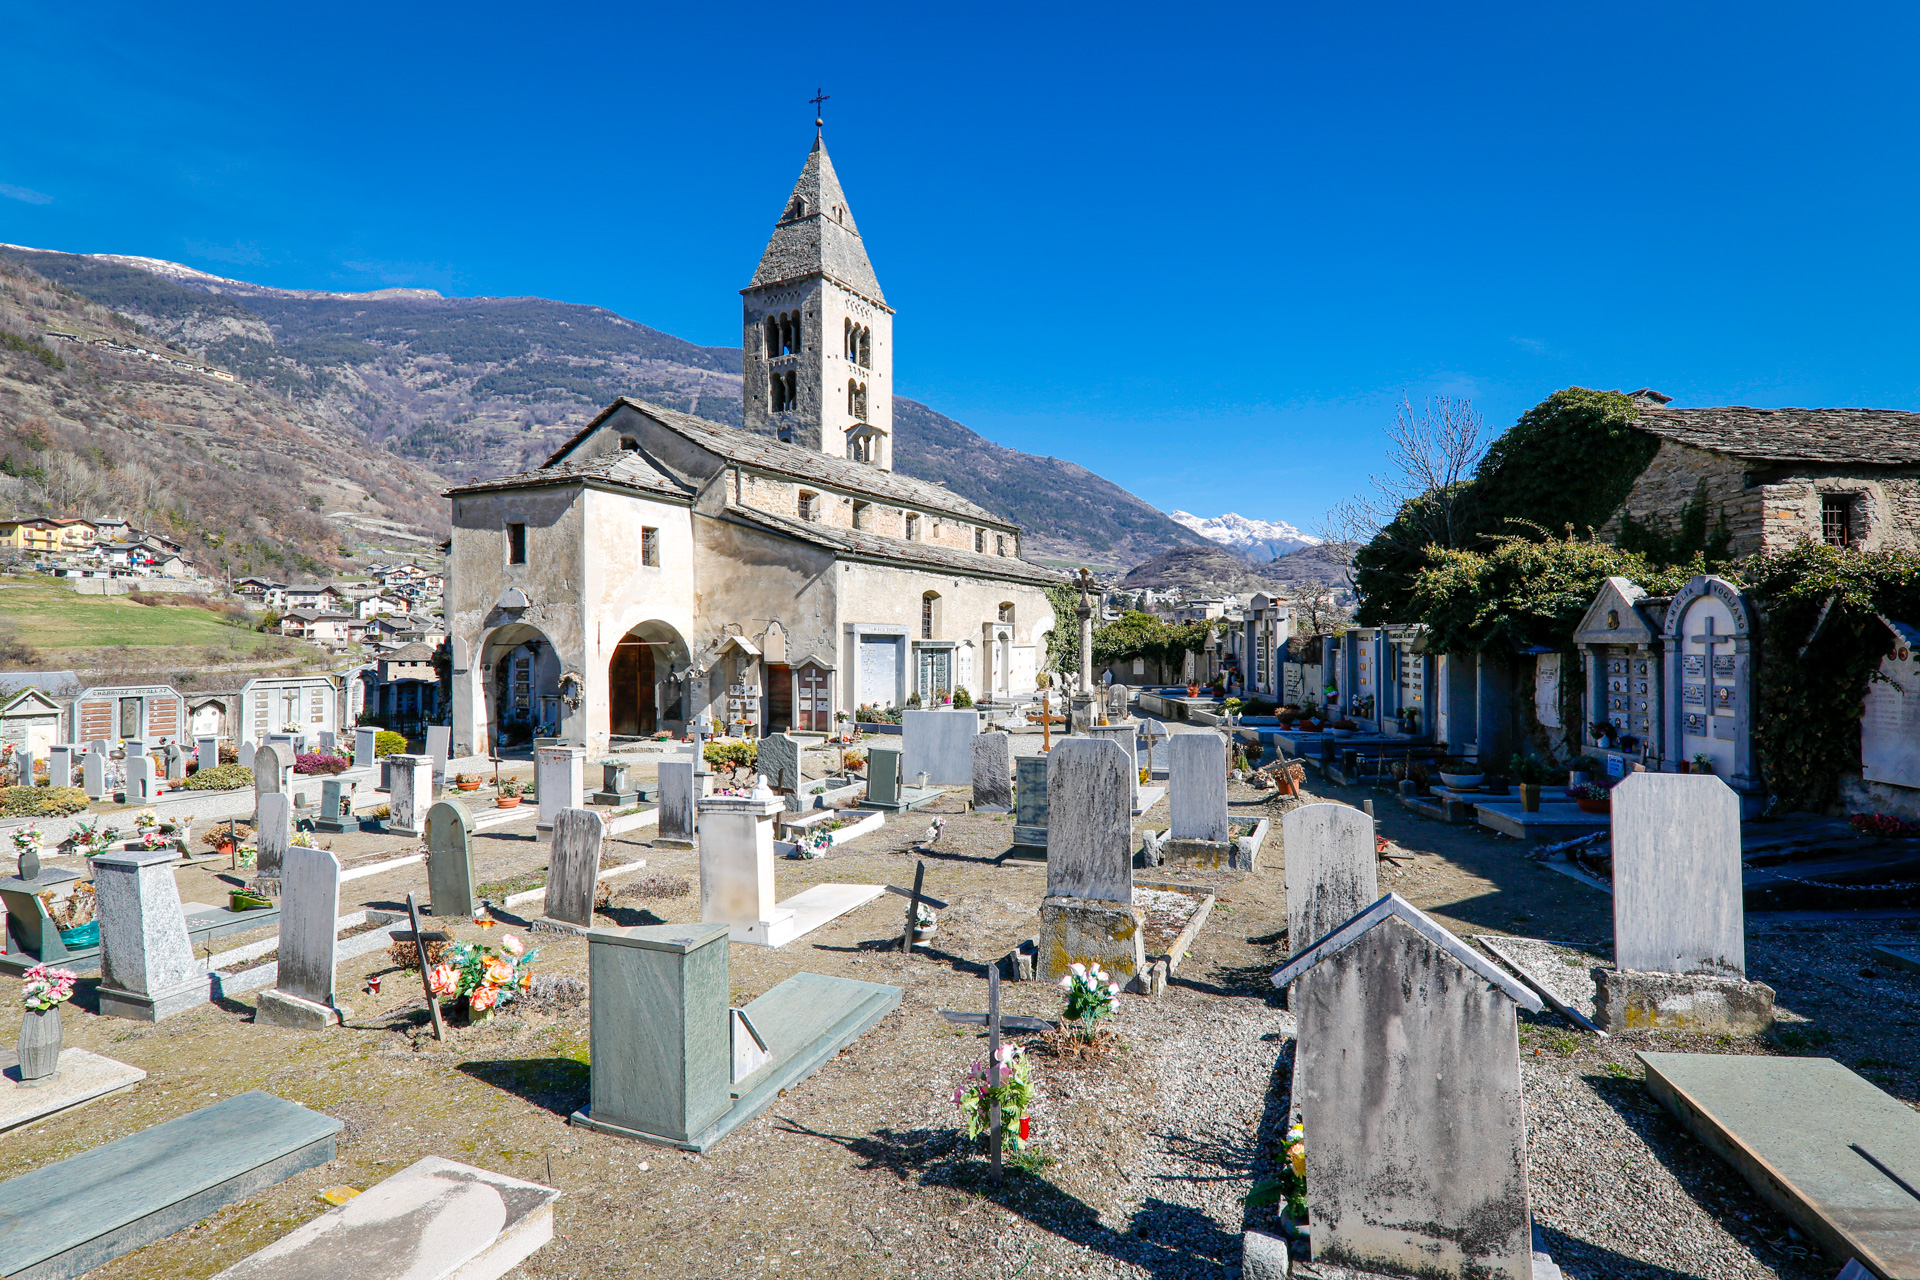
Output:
x=516 y=544
x=649 y=546
x=913 y=528
x=1006 y=612
x=999 y=544
x=809 y=505
x=980 y=541
x=1836 y=519
x=860 y=514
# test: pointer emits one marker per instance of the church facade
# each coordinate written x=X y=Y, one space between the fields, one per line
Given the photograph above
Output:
x=661 y=570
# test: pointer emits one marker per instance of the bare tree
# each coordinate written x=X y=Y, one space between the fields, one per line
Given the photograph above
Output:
x=1316 y=608
x=1431 y=454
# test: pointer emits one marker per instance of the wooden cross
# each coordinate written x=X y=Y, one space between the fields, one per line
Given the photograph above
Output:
x=426 y=970
x=993 y=1065
x=913 y=908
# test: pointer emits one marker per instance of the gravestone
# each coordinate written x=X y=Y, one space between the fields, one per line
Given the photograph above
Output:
x=329 y=742
x=206 y=753
x=60 y=762
x=93 y=774
x=1333 y=873
x=1088 y=914
x=409 y=794
x=940 y=745
x=147 y=966
x=1890 y=715
x=992 y=773
x=364 y=744
x=440 y=747
x=273 y=836
x=303 y=995
x=142 y=786
x=270 y=773
x=615 y=789
x=1417 y=1163
x=1197 y=787
x=1679 y=915
x=1117 y=695
x=450 y=860
x=676 y=804
x=1708 y=636
x=136 y=747
x=1127 y=738
x=1030 y=802
x=883 y=777
x=176 y=762
x=336 y=808
x=247 y=751
x=559 y=775
x=573 y=867
x=778 y=761
x=736 y=868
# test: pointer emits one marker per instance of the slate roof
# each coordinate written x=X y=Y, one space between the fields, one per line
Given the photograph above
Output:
x=1869 y=437
x=816 y=234
x=862 y=544
x=624 y=467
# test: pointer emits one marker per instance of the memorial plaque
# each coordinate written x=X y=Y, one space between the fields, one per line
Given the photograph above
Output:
x=1693 y=664
x=1694 y=722
x=1723 y=665
x=1723 y=700
x=1694 y=694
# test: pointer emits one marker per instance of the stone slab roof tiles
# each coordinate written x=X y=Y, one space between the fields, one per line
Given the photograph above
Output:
x=862 y=544
x=816 y=235
x=1870 y=437
x=626 y=468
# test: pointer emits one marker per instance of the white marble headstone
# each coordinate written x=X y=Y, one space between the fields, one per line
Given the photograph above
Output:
x=560 y=777
x=1677 y=887
x=1333 y=872
x=409 y=794
x=1197 y=786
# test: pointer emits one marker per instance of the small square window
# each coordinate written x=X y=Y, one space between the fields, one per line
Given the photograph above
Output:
x=649 y=546
x=516 y=544
x=1836 y=519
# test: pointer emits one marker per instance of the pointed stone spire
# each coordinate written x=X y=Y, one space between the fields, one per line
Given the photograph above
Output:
x=816 y=234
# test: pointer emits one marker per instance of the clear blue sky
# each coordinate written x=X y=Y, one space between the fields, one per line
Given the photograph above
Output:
x=1198 y=249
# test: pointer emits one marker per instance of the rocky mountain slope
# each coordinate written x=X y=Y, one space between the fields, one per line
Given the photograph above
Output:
x=1213 y=570
x=1255 y=541
x=478 y=387
x=242 y=478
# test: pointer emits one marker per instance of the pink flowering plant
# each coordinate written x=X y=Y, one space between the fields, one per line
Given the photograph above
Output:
x=1006 y=1081
x=48 y=988
x=1090 y=997
x=26 y=839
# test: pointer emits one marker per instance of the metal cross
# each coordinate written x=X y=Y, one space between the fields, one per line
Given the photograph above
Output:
x=819 y=112
x=994 y=1076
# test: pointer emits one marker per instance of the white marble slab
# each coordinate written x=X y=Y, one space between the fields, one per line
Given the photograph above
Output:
x=814 y=907
x=83 y=1076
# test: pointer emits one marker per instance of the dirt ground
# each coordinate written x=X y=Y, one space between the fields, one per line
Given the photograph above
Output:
x=1139 y=1162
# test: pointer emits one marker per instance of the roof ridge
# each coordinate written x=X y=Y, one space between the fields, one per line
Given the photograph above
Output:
x=835 y=537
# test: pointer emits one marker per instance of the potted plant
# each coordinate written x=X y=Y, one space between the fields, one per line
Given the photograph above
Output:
x=1193 y=690
x=484 y=978
x=924 y=922
x=509 y=794
x=1591 y=797
x=1581 y=768
x=40 y=1034
x=1461 y=776
x=465 y=782
x=247 y=900
x=1703 y=763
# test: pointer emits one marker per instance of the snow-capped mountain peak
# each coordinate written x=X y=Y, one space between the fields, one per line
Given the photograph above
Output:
x=1253 y=539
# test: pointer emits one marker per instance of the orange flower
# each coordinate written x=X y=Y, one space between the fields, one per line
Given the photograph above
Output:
x=483 y=920
x=482 y=996
x=445 y=979
x=497 y=971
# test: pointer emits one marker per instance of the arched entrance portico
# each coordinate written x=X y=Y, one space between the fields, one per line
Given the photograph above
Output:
x=521 y=673
x=642 y=693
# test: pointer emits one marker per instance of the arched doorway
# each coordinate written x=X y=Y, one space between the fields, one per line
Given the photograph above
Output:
x=522 y=686
x=642 y=694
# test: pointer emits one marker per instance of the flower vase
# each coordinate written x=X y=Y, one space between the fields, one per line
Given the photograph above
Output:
x=473 y=1017
x=40 y=1038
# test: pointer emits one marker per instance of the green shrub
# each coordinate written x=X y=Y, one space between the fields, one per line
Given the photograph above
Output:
x=961 y=698
x=732 y=753
x=225 y=777
x=41 y=802
x=387 y=742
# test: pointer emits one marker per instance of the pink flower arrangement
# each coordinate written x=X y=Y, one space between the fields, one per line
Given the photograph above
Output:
x=48 y=988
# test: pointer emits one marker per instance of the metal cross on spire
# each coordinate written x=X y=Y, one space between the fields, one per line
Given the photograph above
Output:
x=819 y=112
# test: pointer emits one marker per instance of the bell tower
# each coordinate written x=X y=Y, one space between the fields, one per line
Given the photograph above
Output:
x=816 y=332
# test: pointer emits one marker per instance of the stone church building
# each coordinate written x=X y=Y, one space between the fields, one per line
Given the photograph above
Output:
x=662 y=570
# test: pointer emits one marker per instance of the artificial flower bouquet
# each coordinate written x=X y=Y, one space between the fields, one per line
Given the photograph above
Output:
x=1005 y=1081
x=486 y=977
x=1090 y=997
x=47 y=989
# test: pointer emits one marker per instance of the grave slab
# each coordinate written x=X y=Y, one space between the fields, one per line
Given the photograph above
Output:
x=434 y=1220
x=814 y=907
x=1678 y=905
x=939 y=744
x=1814 y=1140
x=409 y=794
x=82 y=1077
x=91 y=1208
x=992 y=773
x=778 y=761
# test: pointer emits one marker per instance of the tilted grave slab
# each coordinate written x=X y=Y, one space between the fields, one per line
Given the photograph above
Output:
x=1818 y=1143
x=434 y=1220
x=66 y=1218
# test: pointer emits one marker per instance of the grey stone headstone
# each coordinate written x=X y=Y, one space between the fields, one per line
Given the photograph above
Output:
x=1127 y=738
x=1420 y=1163
x=450 y=860
x=141 y=784
x=136 y=747
x=992 y=772
x=309 y=912
x=93 y=772
x=206 y=752
x=98 y=746
x=440 y=747
x=274 y=834
x=247 y=752
x=1197 y=786
x=677 y=813
x=176 y=762
x=409 y=794
x=660 y=1028
x=1089 y=822
x=267 y=771
x=573 y=866
x=329 y=741
x=363 y=747
x=336 y=807
x=779 y=762
x=938 y=744
x=1677 y=892
x=60 y=765
x=147 y=966
x=883 y=775
x=1333 y=873
x=1030 y=801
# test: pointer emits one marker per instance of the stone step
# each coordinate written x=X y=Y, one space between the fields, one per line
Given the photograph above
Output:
x=66 y=1218
x=434 y=1220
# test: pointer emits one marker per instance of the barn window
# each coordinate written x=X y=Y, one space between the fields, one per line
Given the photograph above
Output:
x=516 y=543
x=1836 y=519
x=649 y=546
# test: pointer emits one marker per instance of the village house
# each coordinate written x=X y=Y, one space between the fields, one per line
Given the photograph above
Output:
x=660 y=569
x=323 y=628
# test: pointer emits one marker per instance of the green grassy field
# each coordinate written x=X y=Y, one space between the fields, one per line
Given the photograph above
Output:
x=55 y=619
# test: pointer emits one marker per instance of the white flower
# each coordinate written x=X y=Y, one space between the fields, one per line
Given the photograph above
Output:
x=1066 y=984
x=1078 y=970
x=1112 y=989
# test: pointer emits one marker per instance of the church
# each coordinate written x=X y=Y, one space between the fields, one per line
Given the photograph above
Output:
x=662 y=571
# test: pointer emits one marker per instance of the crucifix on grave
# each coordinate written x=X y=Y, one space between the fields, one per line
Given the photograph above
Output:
x=915 y=900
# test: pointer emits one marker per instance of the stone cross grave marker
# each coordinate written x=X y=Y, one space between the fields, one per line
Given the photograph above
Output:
x=1416 y=1158
x=364 y=743
x=272 y=837
x=573 y=867
x=440 y=747
x=676 y=804
x=93 y=774
x=778 y=761
x=940 y=745
x=1677 y=894
x=450 y=860
x=409 y=794
x=560 y=777
x=1088 y=914
x=1333 y=872
x=1197 y=787
x=147 y=967
x=142 y=786
x=303 y=995
x=992 y=773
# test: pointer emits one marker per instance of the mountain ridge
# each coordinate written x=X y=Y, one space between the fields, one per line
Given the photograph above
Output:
x=1255 y=541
